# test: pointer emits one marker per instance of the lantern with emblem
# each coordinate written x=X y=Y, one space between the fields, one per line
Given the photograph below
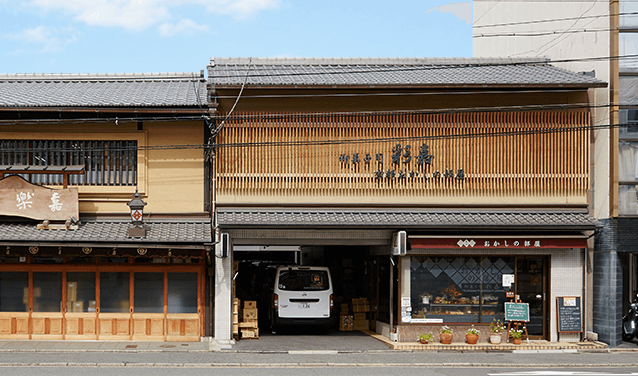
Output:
x=137 y=216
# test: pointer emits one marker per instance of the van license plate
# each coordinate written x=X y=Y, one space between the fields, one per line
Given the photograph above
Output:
x=304 y=305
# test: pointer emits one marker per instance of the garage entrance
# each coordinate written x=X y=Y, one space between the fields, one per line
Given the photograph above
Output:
x=360 y=283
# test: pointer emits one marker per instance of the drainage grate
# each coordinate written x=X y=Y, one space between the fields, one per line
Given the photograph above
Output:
x=131 y=346
x=167 y=346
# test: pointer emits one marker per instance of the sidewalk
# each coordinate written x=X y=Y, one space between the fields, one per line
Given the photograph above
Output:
x=282 y=345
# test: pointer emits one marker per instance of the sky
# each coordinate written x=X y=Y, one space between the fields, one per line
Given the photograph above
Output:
x=135 y=36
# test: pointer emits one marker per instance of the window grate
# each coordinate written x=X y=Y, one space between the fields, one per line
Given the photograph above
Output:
x=107 y=163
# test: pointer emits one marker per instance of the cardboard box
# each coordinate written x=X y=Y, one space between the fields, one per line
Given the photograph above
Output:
x=250 y=333
x=71 y=291
x=91 y=307
x=250 y=314
x=361 y=325
x=249 y=324
x=250 y=304
x=358 y=316
x=77 y=306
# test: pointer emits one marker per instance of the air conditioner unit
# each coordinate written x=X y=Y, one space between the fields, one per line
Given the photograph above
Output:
x=399 y=243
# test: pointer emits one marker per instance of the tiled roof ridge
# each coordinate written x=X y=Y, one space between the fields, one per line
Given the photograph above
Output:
x=374 y=60
x=179 y=76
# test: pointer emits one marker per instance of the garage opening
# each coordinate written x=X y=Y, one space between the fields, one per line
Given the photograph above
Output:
x=360 y=286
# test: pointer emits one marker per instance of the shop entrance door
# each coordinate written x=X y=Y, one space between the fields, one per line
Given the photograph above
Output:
x=531 y=287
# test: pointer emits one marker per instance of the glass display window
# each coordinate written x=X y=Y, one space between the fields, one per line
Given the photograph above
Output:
x=459 y=288
x=14 y=291
x=47 y=292
x=80 y=292
x=182 y=292
x=148 y=294
x=114 y=292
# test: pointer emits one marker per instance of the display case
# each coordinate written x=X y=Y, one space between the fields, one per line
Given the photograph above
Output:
x=458 y=289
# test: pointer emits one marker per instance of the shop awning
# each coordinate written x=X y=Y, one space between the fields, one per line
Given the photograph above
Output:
x=409 y=219
x=97 y=232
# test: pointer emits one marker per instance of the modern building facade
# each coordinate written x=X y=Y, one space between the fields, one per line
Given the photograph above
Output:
x=598 y=37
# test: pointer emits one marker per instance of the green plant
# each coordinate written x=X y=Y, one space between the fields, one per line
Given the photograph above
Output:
x=426 y=337
x=446 y=329
x=516 y=333
x=473 y=330
x=496 y=326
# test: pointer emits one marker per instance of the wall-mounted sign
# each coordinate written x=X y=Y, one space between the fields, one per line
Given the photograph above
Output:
x=497 y=243
x=23 y=199
x=402 y=164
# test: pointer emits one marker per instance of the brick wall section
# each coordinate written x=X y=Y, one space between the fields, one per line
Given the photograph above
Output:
x=607 y=282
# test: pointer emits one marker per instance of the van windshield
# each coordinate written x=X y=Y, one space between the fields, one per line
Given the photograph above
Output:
x=303 y=280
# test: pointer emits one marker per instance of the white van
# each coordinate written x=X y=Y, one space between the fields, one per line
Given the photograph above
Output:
x=302 y=296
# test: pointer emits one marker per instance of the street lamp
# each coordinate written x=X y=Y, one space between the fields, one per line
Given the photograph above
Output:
x=137 y=216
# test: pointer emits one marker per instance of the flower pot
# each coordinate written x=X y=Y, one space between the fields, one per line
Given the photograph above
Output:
x=446 y=338
x=424 y=341
x=472 y=339
x=516 y=341
x=495 y=338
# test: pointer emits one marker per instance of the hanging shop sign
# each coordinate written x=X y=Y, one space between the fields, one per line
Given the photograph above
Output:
x=20 y=198
x=402 y=164
x=498 y=243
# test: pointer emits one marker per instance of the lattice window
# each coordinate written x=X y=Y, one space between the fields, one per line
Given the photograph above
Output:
x=107 y=163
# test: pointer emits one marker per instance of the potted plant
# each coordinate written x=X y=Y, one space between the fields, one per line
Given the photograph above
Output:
x=426 y=338
x=516 y=335
x=472 y=335
x=496 y=328
x=446 y=335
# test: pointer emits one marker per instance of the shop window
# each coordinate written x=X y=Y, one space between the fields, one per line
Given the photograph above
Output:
x=458 y=289
x=14 y=291
x=114 y=292
x=47 y=292
x=149 y=292
x=80 y=292
x=182 y=292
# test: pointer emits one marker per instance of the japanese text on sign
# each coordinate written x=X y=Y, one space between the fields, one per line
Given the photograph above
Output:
x=401 y=166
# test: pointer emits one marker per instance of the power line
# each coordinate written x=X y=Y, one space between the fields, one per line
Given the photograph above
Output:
x=320 y=115
x=556 y=20
x=529 y=132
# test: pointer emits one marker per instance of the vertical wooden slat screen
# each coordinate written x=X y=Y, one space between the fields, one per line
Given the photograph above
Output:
x=500 y=153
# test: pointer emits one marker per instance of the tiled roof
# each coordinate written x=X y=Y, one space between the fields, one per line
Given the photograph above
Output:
x=415 y=72
x=102 y=90
x=413 y=219
x=111 y=231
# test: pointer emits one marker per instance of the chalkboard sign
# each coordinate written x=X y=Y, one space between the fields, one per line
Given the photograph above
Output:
x=569 y=315
x=517 y=312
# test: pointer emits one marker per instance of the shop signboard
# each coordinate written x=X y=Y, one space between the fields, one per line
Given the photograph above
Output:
x=23 y=199
x=517 y=312
x=569 y=314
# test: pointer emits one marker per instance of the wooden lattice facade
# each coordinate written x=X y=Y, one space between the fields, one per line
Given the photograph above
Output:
x=466 y=157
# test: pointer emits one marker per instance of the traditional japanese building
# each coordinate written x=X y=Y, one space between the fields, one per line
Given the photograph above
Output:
x=77 y=262
x=483 y=164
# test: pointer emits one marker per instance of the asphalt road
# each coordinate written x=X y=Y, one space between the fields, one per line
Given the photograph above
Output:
x=295 y=371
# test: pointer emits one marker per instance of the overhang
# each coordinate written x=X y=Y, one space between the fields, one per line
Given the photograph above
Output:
x=112 y=233
x=409 y=219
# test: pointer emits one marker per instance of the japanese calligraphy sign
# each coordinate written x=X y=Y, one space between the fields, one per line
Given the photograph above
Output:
x=401 y=164
x=23 y=199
